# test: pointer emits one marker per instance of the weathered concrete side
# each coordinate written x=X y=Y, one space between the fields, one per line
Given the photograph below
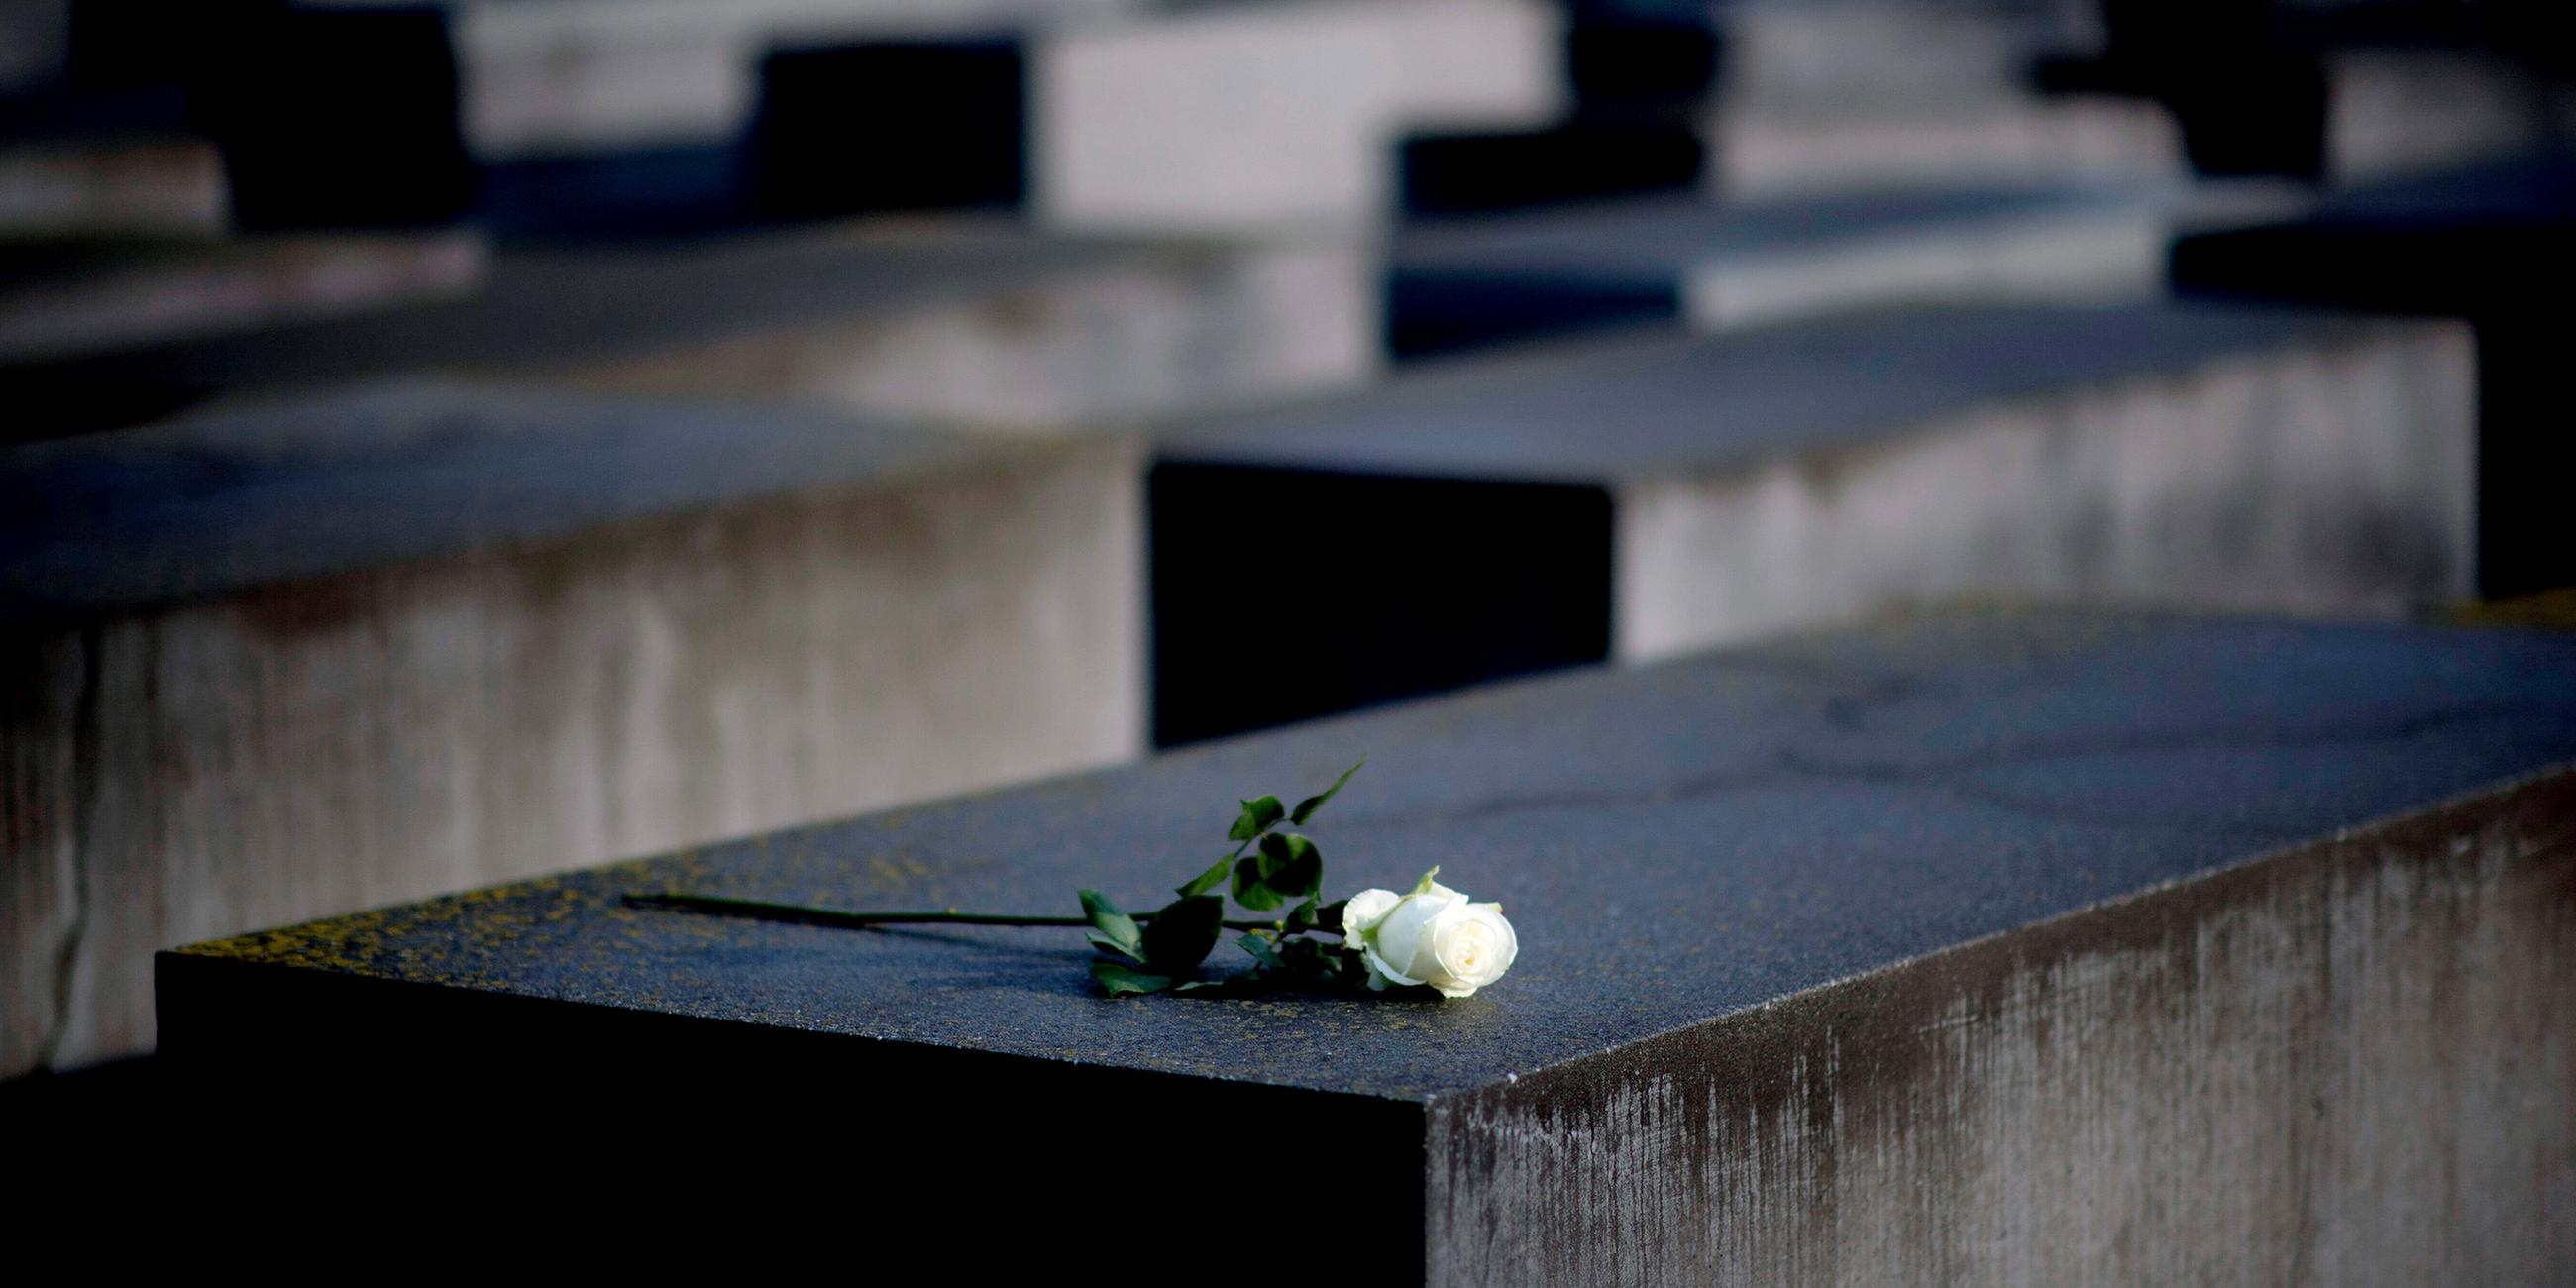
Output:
x=1264 y=115
x=2394 y=112
x=164 y=186
x=383 y=736
x=1107 y=344
x=2326 y=478
x=2346 y=1063
x=1757 y=152
x=2087 y=252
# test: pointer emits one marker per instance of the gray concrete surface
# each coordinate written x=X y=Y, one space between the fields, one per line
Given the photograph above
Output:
x=85 y=187
x=1841 y=96
x=1762 y=263
x=2397 y=112
x=62 y=299
x=1994 y=947
x=282 y=664
x=1275 y=114
x=2142 y=455
x=1169 y=116
x=979 y=323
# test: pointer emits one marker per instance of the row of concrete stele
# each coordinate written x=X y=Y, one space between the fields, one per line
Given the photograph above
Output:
x=1111 y=114
x=490 y=632
x=434 y=564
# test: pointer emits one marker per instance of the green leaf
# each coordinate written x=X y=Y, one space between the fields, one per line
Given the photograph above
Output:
x=1251 y=888
x=1302 y=918
x=1119 y=981
x=1259 y=948
x=1291 y=865
x=1285 y=867
x=1180 y=936
x=1107 y=945
x=1112 y=929
x=1423 y=886
x=1208 y=880
x=1307 y=807
x=1329 y=917
x=1258 y=816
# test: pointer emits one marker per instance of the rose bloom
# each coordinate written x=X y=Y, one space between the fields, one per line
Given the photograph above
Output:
x=1432 y=936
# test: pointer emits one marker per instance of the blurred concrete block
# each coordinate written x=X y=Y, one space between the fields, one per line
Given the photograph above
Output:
x=1877 y=93
x=1466 y=281
x=1989 y=948
x=2392 y=112
x=1189 y=116
x=547 y=77
x=332 y=654
x=35 y=44
x=2487 y=243
x=1693 y=491
x=977 y=323
x=1888 y=55
x=60 y=299
x=1267 y=115
x=1128 y=332
x=113 y=185
x=1759 y=151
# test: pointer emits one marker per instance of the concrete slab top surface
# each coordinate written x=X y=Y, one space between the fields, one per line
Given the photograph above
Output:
x=1656 y=240
x=1643 y=404
x=543 y=306
x=303 y=488
x=1674 y=844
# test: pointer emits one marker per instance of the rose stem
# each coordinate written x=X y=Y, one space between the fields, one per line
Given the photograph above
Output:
x=717 y=906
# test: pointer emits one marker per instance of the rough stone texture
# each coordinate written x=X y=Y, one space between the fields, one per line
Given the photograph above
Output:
x=1267 y=115
x=284 y=666
x=975 y=323
x=2002 y=946
x=2336 y=476
x=2486 y=244
x=2151 y=454
x=2348 y=1064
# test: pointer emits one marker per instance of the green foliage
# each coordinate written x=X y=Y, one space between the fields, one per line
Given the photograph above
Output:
x=1208 y=880
x=1260 y=950
x=1285 y=867
x=1181 y=935
x=1307 y=807
x=1259 y=815
x=1268 y=869
x=1119 y=981
x=1112 y=931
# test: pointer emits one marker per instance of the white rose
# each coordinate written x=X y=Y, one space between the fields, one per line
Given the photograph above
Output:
x=1432 y=936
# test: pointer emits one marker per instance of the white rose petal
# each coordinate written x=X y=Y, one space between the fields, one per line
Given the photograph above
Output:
x=1433 y=936
x=1474 y=945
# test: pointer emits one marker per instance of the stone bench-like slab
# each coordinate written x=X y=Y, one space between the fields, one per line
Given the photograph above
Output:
x=363 y=649
x=970 y=322
x=69 y=298
x=2487 y=244
x=1985 y=948
x=1191 y=115
x=1454 y=283
x=1638 y=497
x=1826 y=96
